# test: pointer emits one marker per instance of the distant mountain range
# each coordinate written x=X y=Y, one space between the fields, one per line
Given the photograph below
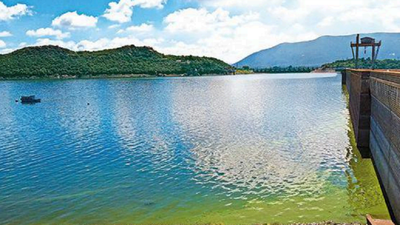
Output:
x=320 y=51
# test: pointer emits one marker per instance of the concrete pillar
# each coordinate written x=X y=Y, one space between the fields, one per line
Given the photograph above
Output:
x=343 y=72
x=360 y=107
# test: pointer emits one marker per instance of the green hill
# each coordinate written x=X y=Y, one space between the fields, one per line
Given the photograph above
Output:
x=50 y=61
x=364 y=63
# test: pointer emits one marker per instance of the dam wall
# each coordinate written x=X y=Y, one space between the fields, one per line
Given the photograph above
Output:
x=374 y=103
x=360 y=107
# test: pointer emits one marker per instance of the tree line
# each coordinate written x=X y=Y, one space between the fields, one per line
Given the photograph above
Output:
x=364 y=63
x=288 y=69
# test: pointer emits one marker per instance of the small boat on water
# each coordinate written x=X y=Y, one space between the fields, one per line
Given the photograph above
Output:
x=30 y=99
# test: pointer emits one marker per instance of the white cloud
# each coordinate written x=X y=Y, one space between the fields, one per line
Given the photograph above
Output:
x=43 y=32
x=202 y=21
x=6 y=50
x=233 y=29
x=100 y=44
x=141 y=29
x=327 y=21
x=219 y=34
x=114 y=26
x=240 y=4
x=150 y=3
x=207 y=30
x=46 y=41
x=2 y=44
x=5 y=34
x=316 y=15
x=202 y=32
x=106 y=43
x=288 y=15
x=9 y=13
x=122 y=11
x=73 y=20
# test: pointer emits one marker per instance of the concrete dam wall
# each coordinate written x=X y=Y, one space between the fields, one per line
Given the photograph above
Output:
x=374 y=102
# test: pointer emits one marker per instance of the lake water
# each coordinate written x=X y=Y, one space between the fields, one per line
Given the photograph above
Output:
x=230 y=149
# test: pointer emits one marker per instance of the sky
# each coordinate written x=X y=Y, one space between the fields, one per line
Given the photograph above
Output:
x=226 y=29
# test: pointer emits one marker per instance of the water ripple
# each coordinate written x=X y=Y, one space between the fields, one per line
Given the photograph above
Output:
x=243 y=150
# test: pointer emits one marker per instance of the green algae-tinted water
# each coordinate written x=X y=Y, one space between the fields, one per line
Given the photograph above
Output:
x=233 y=150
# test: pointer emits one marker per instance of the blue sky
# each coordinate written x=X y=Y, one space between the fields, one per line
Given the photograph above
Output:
x=226 y=29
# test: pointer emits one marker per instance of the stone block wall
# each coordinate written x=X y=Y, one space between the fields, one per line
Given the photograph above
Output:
x=374 y=102
x=385 y=133
x=358 y=87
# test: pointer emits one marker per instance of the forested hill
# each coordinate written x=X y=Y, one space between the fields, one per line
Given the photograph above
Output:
x=48 y=61
x=364 y=63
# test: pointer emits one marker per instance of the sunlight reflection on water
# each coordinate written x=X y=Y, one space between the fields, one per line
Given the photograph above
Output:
x=234 y=149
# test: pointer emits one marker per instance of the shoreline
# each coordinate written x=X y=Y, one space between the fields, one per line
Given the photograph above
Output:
x=132 y=76
x=324 y=70
x=119 y=76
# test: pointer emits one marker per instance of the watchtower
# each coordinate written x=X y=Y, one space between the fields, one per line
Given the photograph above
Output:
x=366 y=42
